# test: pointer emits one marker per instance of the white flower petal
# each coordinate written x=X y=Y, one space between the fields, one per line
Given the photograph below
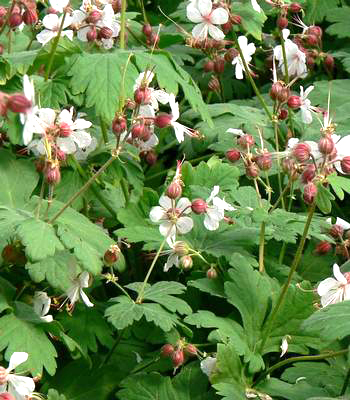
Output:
x=84 y=278
x=167 y=229
x=68 y=33
x=208 y=365
x=326 y=285
x=20 y=386
x=17 y=358
x=193 y=14
x=237 y=132
x=66 y=144
x=165 y=202
x=184 y=224
x=341 y=222
x=211 y=222
x=256 y=6
x=157 y=214
x=200 y=31
x=215 y=191
x=184 y=204
x=81 y=138
x=219 y=16
x=173 y=259
x=47 y=115
x=338 y=275
x=205 y=7
x=45 y=36
x=51 y=21
x=215 y=32
x=85 y=299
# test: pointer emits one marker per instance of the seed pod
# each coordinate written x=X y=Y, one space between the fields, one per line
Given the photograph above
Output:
x=199 y=206
x=323 y=247
x=294 y=102
x=186 y=262
x=191 y=350
x=302 y=152
x=30 y=17
x=112 y=255
x=264 y=161
x=208 y=66
x=326 y=145
x=174 y=190
x=117 y=6
x=147 y=30
x=167 y=350
x=211 y=273
x=162 y=120
x=246 y=141
x=177 y=358
x=282 y=22
x=15 y=20
x=18 y=103
x=310 y=192
x=345 y=165
x=105 y=33
x=233 y=155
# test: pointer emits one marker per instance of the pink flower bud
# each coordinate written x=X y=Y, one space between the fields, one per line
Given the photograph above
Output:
x=312 y=40
x=236 y=19
x=3 y=11
x=147 y=30
x=15 y=20
x=211 y=273
x=2 y=48
x=282 y=22
x=111 y=255
x=246 y=141
x=167 y=350
x=177 y=358
x=345 y=165
x=137 y=130
x=315 y=30
x=283 y=114
x=199 y=206
x=65 y=130
x=323 y=248
x=142 y=96
x=91 y=36
x=174 y=190
x=119 y=125
x=264 y=161
x=329 y=62
x=302 y=152
x=219 y=65
x=181 y=248
x=294 y=102
x=214 y=84
x=308 y=173
x=295 y=7
x=227 y=27
x=18 y=103
x=336 y=231
x=310 y=192
x=252 y=170
x=231 y=54
x=52 y=173
x=117 y=6
x=94 y=17
x=105 y=33
x=208 y=66
x=151 y=157
x=326 y=145
x=275 y=90
x=30 y=17
x=162 y=120
x=191 y=350
x=186 y=262
x=233 y=155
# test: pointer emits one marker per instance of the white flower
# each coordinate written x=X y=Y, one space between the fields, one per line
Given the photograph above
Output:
x=172 y=218
x=215 y=211
x=334 y=290
x=235 y=132
x=202 y=14
x=296 y=59
x=208 y=365
x=59 y=5
x=76 y=291
x=306 y=107
x=256 y=6
x=41 y=305
x=20 y=387
x=248 y=49
x=284 y=345
x=173 y=257
x=340 y=222
x=342 y=145
x=52 y=24
x=82 y=153
x=180 y=130
x=144 y=80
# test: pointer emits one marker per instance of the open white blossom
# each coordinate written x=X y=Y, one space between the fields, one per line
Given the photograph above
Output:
x=335 y=290
x=306 y=108
x=248 y=49
x=52 y=25
x=256 y=6
x=76 y=292
x=202 y=13
x=156 y=95
x=342 y=145
x=173 y=257
x=296 y=59
x=215 y=211
x=59 y=5
x=208 y=365
x=235 y=132
x=172 y=218
x=20 y=387
x=41 y=305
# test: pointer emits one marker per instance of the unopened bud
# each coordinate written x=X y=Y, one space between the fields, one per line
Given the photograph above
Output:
x=30 y=17
x=18 y=103
x=6 y=396
x=226 y=27
x=208 y=66
x=60 y=155
x=142 y=95
x=345 y=165
x=283 y=114
x=294 y=102
x=315 y=30
x=94 y=17
x=186 y=262
x=323 y=248
x=177 y=358
x=167 y=350
x=326 y=145
x=214 y=84
x=233 y=155
x=308 y=174
x=211 y=273
x=191 y=350
x=336 y=231
x=231 y=54
x=199 y=206
x=117 y=5
x=15 y=20
x=246 y=141
x=295 y=7
x=174 y=190
x=91 y=36
x=3 y=11
x=310 y=192
x=302 y=152
x=137 y=130
x=282 y=22
x=151 y=157
x=162 y=120
x=252 y=170
x=52 y=173
x=105 y=33
x=111 y=256
x=154 y=39
x=147 y=30
x=264 y=161
x=312 y=40
x=119 y=125
x=329 y=62
x=181 y=248
x=219 y=65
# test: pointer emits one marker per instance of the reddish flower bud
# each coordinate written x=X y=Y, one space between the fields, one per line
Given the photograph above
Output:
x=302 y=152
x=105 y=33
x=162 y=120
x=15 y=20
x=214 y=84
x=147 y=133
x=174 y=190
x=186 y=262
x=233 y=155
x=315 y=30
x=336 y=231
x=65 y=130
x=147 y=30
x=264 y=161
x=308 y=173
x=191 y=350
x=177 y=358
x=117 y=6
x=282 y=22
x=295 y=7
x=18 y=103
x=236 y=19
x=6 y=396
x=326 y=145
x=30 y=17
x=283 y=114
x=167 y=350
x=151 y=157
x=94 y=17
x=310 y=60
x=119 y=125
x=275 y=90
x=294 y=102
x=199 y=206
x=211 y=273
x=137 y=130
x=153 y=39
x=226 y=27
x=252 y=171
x=91 y=36
x=142 y=96
x=345 y=165
x=219 y=65
x=246 y=141
x=52 y=173
x=323 y=247
x=208 y=66
x=111 y=255
x=60 y=155
x=310 y=192
x=312 y=40
x=231 y=54
x=3 y=11
x=329 y=62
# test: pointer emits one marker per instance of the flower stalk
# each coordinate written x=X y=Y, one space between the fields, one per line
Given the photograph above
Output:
x=122 y=26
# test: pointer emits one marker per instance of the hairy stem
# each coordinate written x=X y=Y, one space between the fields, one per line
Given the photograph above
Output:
x=122 y=26
x=262 y=247
x=293 y=268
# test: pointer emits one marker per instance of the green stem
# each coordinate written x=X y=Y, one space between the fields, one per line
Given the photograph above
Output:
x=251 y=80
x=111 y=351
x=281 y=196
x=262 y=247
x=284 y=246
x=144 y=15
x=54 y=48
x=298 y=359
x=84 y=187
x=345 y=384
x=122 y=25
x=285 y=61
x=9 y=47
x=275 y=125
x=42 y=187
x=293 y=268
x=142 y=291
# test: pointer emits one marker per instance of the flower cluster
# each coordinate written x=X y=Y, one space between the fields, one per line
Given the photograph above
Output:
x=180 y=352
x=334 y=290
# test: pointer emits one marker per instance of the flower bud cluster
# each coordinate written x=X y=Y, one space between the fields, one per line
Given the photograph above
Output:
x=179 y=352
x=152 y=38
x=18 y=13
x=16 y=103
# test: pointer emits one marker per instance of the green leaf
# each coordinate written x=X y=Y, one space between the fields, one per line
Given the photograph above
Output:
x=53 y=93
x=212 y=286
x=39 y=239
x=20 y=61
x=324 y=199
x=52 y=394
x=316 y=10
x=70 y=183
x=7 y=292
x=340 y=17
x=339 y=184
x=18 y=179
x=100 y=77
x=19 y=335
x=252 y=21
